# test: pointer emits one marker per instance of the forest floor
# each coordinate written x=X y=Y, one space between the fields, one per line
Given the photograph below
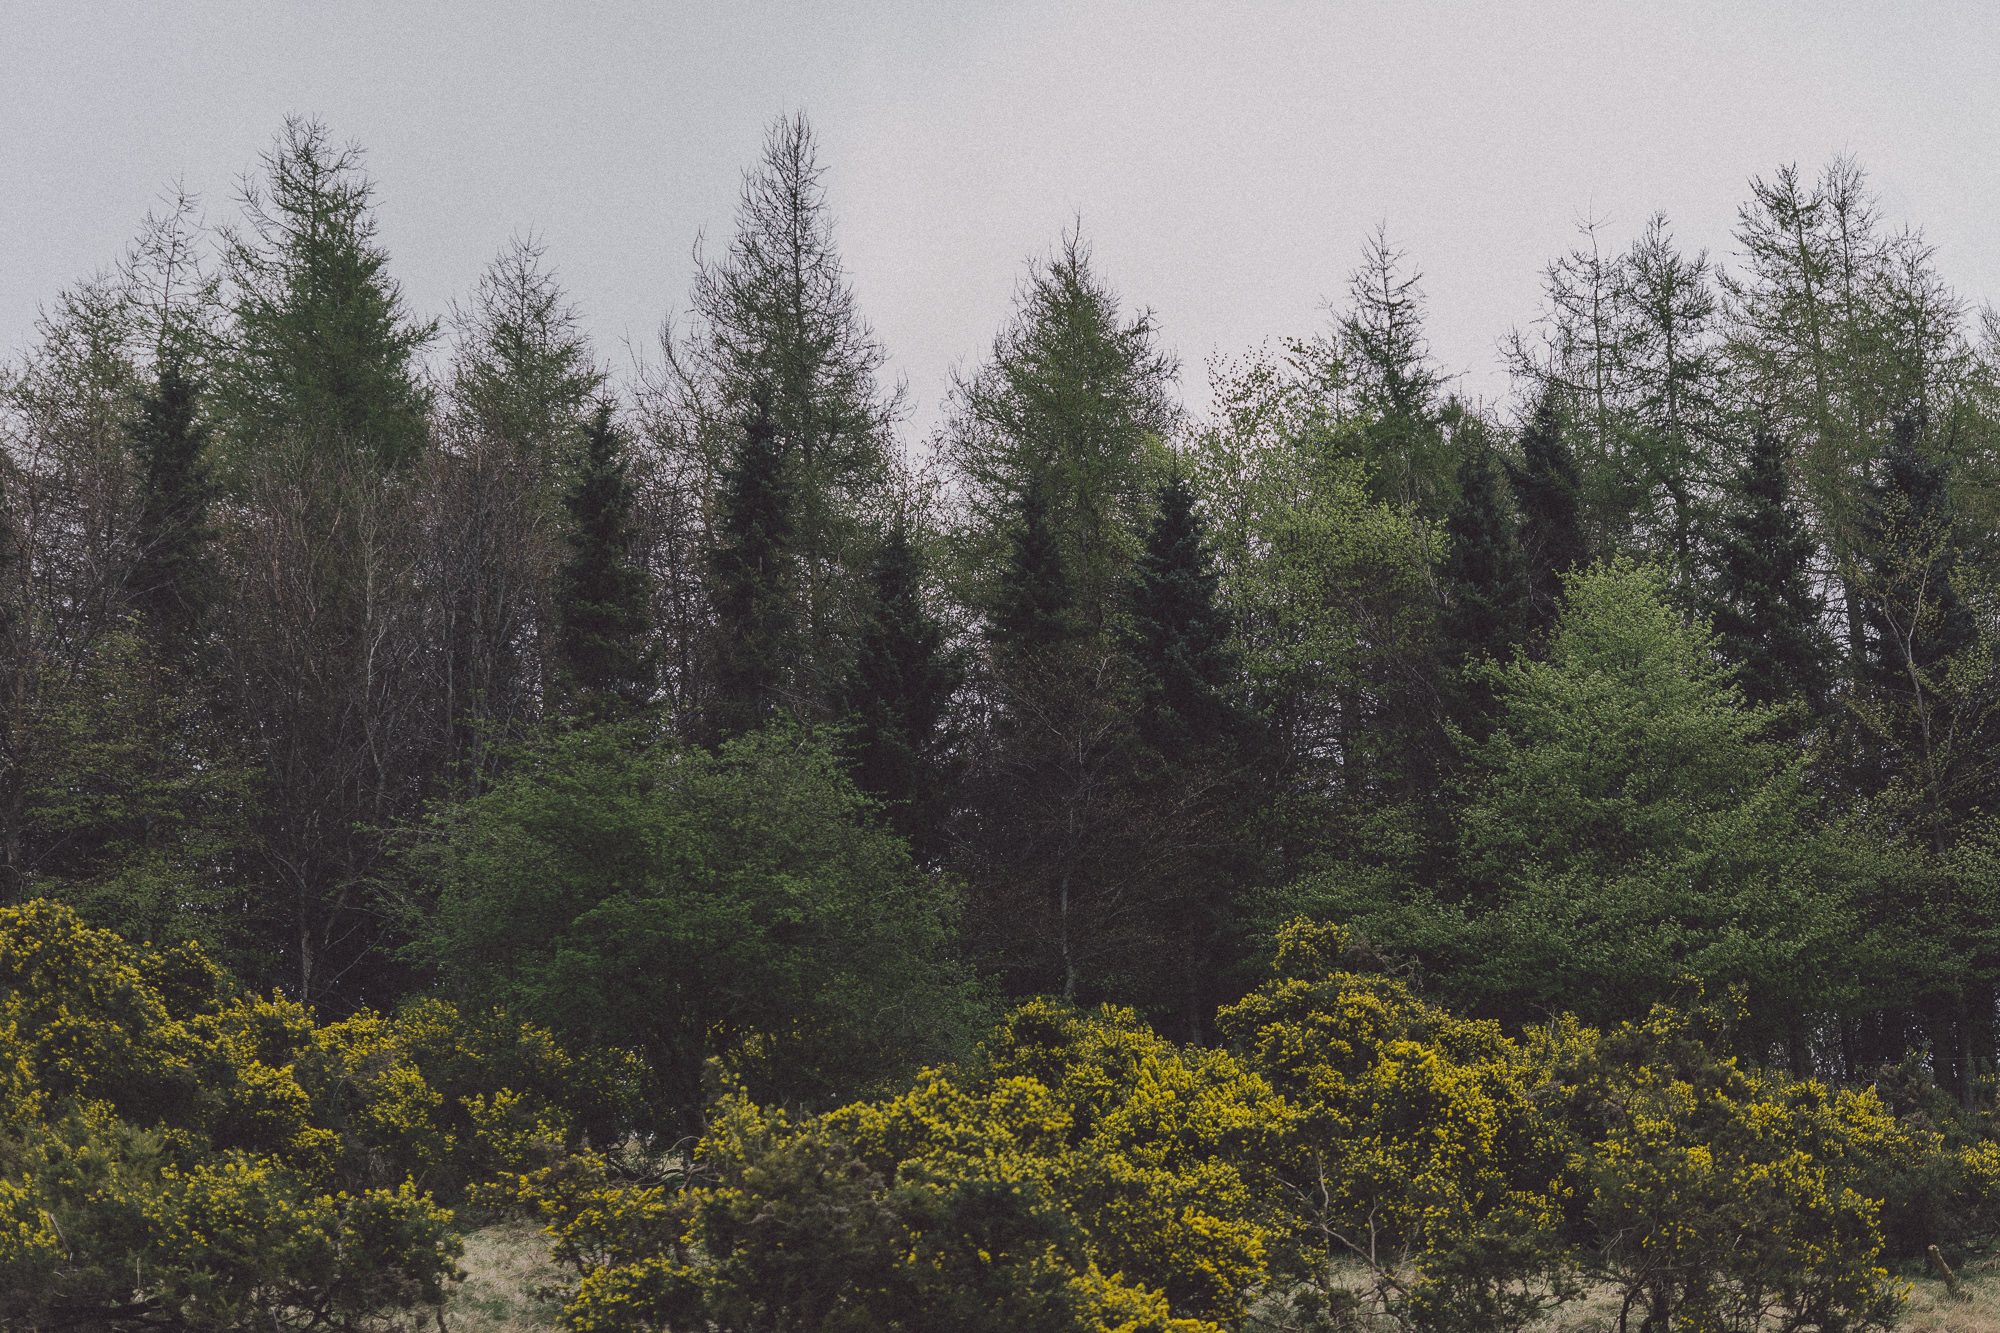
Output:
x=502 y=1262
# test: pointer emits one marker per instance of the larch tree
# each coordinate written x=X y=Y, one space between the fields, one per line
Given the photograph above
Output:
x=322 y=349
x=1071 y=402
x=322 y=420
x=1394 y=380
x=776 y=329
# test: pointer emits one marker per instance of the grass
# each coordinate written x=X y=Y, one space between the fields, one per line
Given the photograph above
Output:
x=502 y=1263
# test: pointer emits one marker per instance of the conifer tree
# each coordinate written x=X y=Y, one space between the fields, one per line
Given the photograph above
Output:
x=602 y=593
x=1768 y=620
x=751 y=584
x=1548 y=490
x=897 y=693
x=1179 y=633
x=167 y=581
x=1034 y=611
x=1071 y=403
x=1485 y=583
x=1909 y=528
x=775 y=327
x=323 y=349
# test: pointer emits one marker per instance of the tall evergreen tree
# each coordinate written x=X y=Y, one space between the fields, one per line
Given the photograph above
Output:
x=323 y=350
x=1035 y=609
x=1180 y=634
x=1068 y=405
x=168 y=582
x=1548 y=491
x=1485 y=585
x=751 y=582
x=897 y=694
x=1768 y=619
x=1394 y=379
x=774 y=322
x=601 y=593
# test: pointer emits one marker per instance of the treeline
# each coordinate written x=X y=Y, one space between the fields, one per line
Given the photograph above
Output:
x=700 y=713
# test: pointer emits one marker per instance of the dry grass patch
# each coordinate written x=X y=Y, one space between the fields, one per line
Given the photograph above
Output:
x=503 y=1263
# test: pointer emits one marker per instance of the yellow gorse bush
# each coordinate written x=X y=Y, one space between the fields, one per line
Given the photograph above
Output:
x=175 y=1154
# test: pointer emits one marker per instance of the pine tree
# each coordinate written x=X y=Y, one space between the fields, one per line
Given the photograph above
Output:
x=751 y=581
x=1180 y=636
x=602 y=594
x=897 y=694
x=1769 y=621
x=168 y=582
x=1485 y=584
x=1035 y=610
x=1548 y=491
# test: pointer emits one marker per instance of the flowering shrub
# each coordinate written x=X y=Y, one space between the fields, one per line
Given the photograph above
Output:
x=175 y=1155
x=1410 y=1151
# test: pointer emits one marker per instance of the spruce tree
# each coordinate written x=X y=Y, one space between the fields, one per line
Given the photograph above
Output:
x=897 y=693
x=1486 y=580
x=1180 y=642
x=602 y=593
x=167 y=582
x=1035 y=609
x=751 y=584
x=1485 y=586
x=1768 y=620
x=1548 y=490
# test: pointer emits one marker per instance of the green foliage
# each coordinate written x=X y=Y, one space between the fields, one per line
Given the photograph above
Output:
x=1633 y=825
x=1180 y=636
x=752 y=573
x=1071 y=404
x=138 y=804
x=1767 y=616
x=897 y=694
x=1034 y=608
x=601 y=591
x=1547 y=488
x=170 y=583
x=322 y=352
x=632 y=891
x=1485 y=586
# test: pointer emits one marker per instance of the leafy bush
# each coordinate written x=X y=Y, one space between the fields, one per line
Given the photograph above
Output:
x=627 y=890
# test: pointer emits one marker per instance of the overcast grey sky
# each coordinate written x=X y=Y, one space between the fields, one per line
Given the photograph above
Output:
x=1227 y=159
